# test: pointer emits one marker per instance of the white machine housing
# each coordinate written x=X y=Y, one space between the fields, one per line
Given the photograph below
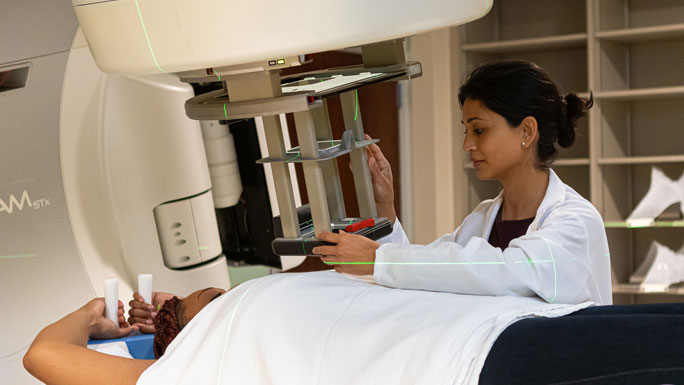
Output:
x=152 y=36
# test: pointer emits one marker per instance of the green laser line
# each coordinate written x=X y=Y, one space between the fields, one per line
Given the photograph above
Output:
x=219 y=77
x=356 y=112
x=555 y=277
x=225 y=112
x=434 y=263
x=230 y=326
x=16 y=256
x=149 y=44
x=203 y=248
x=417 y=263
x=291 y=159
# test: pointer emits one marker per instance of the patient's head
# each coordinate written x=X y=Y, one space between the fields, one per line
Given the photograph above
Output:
x=176 y=313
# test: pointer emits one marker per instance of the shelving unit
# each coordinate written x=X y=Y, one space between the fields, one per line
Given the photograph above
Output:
x=632 y=35
x=626 y=53
x=522 y=45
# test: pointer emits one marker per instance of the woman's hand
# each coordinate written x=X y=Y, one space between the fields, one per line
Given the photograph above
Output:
x=141 y=314
x=381 y=174
x=349 y=248
x=101 y=327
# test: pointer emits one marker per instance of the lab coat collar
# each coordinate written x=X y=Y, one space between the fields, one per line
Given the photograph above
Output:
x=555 y=192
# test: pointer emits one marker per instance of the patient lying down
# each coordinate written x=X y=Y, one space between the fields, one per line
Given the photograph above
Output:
x=311 y=328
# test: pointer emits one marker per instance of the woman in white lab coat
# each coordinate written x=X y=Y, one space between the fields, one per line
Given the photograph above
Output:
x=538 y=237
x=513 y=115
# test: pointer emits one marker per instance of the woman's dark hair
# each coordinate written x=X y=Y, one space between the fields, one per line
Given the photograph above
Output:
x=170 y=320
x=516 y=89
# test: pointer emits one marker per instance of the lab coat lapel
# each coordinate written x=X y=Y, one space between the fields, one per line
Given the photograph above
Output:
x=555 y=193
x=491 y=215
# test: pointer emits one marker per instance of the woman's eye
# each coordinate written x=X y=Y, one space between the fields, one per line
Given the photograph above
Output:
x=477 y=131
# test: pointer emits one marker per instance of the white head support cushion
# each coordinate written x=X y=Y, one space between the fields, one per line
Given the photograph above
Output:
x=662 y=193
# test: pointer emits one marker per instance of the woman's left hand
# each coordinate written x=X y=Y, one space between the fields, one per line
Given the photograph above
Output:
x=101 y=327
x=348 y=248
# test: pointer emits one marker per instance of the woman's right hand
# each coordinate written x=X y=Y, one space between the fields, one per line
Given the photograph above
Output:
x=141 y=313
x=381 y=173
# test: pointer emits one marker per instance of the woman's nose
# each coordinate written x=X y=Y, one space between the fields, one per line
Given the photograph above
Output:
x=468 y=143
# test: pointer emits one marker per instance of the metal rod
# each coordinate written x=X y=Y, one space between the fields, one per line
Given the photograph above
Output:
x=363 y=183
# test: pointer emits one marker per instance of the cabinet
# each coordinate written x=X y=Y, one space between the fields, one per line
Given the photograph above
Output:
x=630 y=54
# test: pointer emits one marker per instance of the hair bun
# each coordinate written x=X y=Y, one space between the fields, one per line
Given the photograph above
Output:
x=572 y=108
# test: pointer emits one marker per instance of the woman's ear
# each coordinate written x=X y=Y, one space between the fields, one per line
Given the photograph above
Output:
x=529 y=131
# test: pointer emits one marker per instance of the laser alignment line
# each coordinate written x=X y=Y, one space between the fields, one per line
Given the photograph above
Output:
x=16 y=256
x=433 y=263
x=555 y=277
x=230 y=326
x=149 y=44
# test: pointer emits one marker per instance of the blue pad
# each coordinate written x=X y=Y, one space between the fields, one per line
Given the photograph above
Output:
x=140 y=345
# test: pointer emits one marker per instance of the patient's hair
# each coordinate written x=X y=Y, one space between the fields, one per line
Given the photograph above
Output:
x=516 y=89
x=170 y=320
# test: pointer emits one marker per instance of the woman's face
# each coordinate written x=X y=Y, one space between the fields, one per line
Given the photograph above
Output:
x=495 y=147
x=196 y=301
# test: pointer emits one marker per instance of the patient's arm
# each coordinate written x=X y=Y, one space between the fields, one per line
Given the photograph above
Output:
x=59 y=354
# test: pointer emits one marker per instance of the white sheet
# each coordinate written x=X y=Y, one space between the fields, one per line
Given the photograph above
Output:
x=119 y=349
x=324 y=328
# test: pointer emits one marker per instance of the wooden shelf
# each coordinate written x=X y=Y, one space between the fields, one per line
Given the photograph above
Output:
x=570 y=162
x=624 y=225
x=642 y=94
x=632 y=288
x=633 y=35
x=558 y=163
x=541 y=43
x=642 y=160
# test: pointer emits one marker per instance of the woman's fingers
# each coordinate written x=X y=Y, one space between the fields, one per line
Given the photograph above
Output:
x=373 y=168
x=138 y=298
x=139 y=305
x=147 y=329
x=329 y=237
x=325 y=250
x=139 y=320
x=375 y=150
x=140 y=313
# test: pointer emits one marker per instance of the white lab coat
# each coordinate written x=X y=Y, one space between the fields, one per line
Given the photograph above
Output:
x=563 y=257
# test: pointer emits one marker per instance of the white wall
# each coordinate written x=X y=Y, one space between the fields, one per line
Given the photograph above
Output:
x=433 y=177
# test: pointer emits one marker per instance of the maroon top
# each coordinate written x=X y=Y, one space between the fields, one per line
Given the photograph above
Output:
x=503 y=232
